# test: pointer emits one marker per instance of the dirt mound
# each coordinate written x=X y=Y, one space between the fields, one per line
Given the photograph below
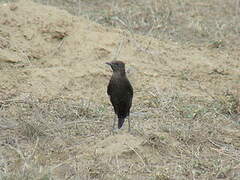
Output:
x=47 y=43
x=56 y=53
x=116 y=145
x=55 y=112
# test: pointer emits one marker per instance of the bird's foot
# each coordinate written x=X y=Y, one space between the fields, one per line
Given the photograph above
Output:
x=113 y=131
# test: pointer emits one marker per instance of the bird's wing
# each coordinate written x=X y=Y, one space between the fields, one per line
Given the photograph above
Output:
x=129 y=88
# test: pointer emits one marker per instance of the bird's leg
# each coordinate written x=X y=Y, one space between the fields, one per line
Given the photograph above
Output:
x=114 y=121
x=129 y=128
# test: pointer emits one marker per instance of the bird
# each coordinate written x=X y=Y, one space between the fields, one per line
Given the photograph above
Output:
x=120 y=91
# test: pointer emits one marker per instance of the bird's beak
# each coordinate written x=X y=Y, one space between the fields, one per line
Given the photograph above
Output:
x=108 y=63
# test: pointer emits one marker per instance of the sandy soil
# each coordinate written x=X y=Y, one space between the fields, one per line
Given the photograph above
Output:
x=52 y=64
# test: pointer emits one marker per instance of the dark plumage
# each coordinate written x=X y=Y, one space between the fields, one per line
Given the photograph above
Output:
x=120 y=92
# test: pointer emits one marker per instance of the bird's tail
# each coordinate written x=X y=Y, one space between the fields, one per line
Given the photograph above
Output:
x=120 y=122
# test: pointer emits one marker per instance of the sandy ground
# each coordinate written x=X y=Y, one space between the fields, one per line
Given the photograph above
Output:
x=55 y=115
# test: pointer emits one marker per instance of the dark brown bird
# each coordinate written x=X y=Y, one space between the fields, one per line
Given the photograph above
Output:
x=120 y=92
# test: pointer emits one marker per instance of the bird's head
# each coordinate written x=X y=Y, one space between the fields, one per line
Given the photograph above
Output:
x=117 y=66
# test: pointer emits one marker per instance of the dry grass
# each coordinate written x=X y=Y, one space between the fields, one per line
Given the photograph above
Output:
x=191 y=136
x=214 y=23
